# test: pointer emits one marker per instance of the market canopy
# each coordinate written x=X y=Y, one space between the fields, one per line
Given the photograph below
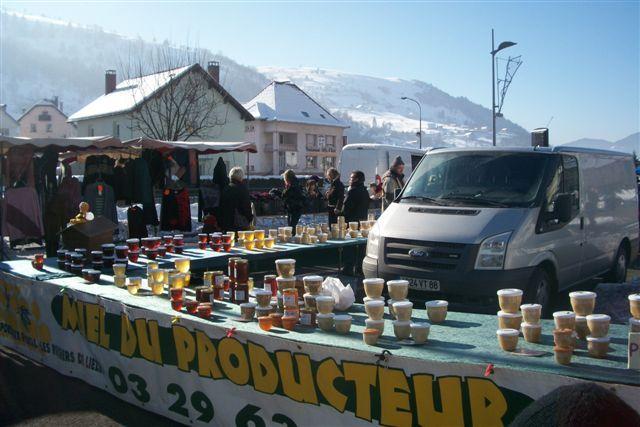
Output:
x=203 y=147
x=63 y=144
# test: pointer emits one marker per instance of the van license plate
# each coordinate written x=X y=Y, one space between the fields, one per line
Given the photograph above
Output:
x=423 y=284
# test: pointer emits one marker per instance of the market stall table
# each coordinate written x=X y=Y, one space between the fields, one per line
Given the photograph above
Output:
x=227 y=371
x=331 y=253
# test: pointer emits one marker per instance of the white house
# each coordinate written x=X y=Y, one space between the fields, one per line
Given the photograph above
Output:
x=8 y=125
x=116 y=111
x=292 y=131
x=45 y=119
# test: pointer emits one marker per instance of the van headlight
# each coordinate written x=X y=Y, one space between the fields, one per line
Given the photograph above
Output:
x=493 y=251
x=373 y=241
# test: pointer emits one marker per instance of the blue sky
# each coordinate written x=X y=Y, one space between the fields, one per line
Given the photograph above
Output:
x=581 y=59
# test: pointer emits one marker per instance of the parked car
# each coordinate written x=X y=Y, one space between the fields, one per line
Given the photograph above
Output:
x=472 y=221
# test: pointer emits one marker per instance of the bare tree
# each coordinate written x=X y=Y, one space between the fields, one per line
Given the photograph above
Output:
x=175 y=98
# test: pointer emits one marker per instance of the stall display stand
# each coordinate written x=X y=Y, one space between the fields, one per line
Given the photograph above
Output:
x=223 y=370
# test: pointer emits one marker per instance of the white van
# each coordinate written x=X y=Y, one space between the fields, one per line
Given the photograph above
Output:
x=472 y=221
x=374 y=159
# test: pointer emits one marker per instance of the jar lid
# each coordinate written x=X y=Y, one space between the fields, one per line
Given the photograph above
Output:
x=524 y=307
x=581 y=319
x=401 y=323
x=324 y=298
x=285 y=279
x=402 y=283
x=530 y=325
x=262 y=292
x=564 y=314
x=599 y=318
x=634 y=321
x=248 y=305
x=326 y=316
x=373 y=281
x=423 y=325
x=375 y=303
x=374 y=321
x=286 y=261
x=509 y=315
x=402 y=304
x=342 y=317
x=634 y=297
x=366 y=299
x=508 y=332
x=597 y=339
x=436 y=303
x=510 y=292
x=313 y=278
x=241 y=261
x=582 y=295
x=390 y=301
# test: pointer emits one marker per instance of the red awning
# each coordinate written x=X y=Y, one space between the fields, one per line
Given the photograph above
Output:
x=203 y=147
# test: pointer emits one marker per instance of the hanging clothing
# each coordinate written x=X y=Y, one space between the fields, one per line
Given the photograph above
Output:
x=21 y=214
x=135 y=220
x=69 y=193
x=19 y=169
x=142 y=190
x=101 y=200
x=175 y=211
x=98 y=167
x=208 y=199
x=122 y=182
x=156 y=165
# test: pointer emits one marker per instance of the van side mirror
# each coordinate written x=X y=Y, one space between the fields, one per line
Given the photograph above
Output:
x=562 y=207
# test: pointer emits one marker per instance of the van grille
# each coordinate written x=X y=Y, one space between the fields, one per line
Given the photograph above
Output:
x=437 y=255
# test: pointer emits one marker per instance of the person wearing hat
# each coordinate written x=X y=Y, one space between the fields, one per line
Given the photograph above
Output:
x=392 y=180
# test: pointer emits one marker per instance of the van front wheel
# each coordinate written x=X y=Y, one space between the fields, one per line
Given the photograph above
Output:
x=618 y=272
x=540 y=290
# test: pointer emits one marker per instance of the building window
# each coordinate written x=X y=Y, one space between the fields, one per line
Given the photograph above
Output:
x=44 y=117
x=33 y=128
x=49 y=128
x=91 y=132
x=116 y=129
x=312 y=162
x=288 y=160
x=328 y=162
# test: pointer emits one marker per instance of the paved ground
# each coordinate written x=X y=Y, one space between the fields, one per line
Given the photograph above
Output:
x=33 y=395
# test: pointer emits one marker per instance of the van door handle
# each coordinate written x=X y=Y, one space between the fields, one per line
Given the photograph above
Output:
x=581 y=223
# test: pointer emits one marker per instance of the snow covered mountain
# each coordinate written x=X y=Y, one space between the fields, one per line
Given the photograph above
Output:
x=374 y=108
x=43 y=57
x=630 y=144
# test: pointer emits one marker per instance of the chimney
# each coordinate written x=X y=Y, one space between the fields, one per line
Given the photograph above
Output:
x=109 y=81
x=213 y=68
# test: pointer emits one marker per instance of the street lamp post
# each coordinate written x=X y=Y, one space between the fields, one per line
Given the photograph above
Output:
x=494 y=51
x=406 y=98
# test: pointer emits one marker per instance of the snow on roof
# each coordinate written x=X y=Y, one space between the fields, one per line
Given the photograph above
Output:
x=128 y=94
x=286 y=102
x=41 y=103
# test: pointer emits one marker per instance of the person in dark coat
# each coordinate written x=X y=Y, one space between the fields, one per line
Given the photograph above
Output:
x=293 y=198
x=584 y=405
x=314 y=197
x=235 y=204
x=356 y=201
x=335 y=195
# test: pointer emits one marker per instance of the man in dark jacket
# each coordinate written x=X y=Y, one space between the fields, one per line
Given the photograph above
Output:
x=356 y=201
x=293 y=198
x=335 y=195
x=235 y=204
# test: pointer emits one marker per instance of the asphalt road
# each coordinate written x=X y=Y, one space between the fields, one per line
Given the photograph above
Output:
x=34 y=395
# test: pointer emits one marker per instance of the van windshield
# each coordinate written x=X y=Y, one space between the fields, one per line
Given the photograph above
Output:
x=498 y=179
